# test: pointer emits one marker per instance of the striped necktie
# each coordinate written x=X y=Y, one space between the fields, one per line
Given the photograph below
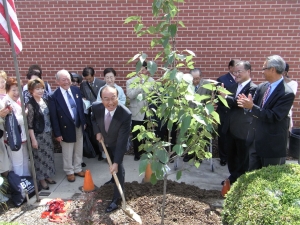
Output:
x=266 y=95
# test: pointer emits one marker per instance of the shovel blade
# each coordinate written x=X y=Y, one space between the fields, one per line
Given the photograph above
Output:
x=132 y=214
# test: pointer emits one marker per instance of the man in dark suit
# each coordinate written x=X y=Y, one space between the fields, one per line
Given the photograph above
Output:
x=68 y=122
x=228 y=80
x=236 y=123
x=114 y=133
x=269 y=108
x=89 y=89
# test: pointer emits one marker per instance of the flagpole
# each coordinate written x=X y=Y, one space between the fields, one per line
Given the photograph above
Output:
x=12 y=44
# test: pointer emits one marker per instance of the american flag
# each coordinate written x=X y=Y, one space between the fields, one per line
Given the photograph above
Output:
x=14 y=25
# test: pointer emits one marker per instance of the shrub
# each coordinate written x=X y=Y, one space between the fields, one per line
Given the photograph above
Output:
x=270 y=195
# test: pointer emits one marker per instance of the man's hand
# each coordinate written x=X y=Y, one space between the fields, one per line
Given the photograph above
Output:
x=245 y=102
x=59 y=139
x=99 y=137
x=114 y=168
x=34 y=144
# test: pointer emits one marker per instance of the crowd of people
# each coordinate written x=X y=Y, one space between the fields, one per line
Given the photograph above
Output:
x=89 y=104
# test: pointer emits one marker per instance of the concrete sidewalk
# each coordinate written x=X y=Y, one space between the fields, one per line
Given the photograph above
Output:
x=203 y=177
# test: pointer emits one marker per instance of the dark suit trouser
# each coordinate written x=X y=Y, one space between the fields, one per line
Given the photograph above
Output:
x=120 y=175
x=222 y=142
x=135 y=141
x=160 y=132
x=257 y=162
x=238 y=157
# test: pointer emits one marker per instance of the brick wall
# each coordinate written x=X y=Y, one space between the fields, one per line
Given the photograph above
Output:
x=75 y=34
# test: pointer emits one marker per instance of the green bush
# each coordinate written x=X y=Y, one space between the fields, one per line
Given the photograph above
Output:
x=268 y=196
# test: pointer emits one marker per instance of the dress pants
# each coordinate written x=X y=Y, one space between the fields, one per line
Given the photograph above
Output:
x=238 y=157
x=257 y=162
x=120 y=175
x=72 y=154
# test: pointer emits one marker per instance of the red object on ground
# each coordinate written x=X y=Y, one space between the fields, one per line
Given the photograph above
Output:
x=55 y=208
x=226 y=187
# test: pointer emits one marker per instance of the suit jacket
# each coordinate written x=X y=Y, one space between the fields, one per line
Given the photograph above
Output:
x=136 y=105
x=270 y=122
x=61 y=119
x=237 y=122
x=118 y=133
x=228 y=81
x=86 y=91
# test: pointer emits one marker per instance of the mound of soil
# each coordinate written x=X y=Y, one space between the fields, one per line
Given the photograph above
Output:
x=185 y=204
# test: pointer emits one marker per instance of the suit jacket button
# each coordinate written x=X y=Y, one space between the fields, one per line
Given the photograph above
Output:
x=65 y=126
x=60 y=116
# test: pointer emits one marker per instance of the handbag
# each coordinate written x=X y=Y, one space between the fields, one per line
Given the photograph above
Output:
x=88 y=149
x=13 y=131
x=18 y=185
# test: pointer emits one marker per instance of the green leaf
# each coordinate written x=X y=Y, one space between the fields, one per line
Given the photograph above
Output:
x=143 y=57
x=131 y=74
x=179 y=65
x=140 y=97
x=178 y=175
x=173 y=74
x=165 y=41
x=173 y=30
x=188 y=58
x=185 y=124
x=138 y=27
x=179 y=76
x=187 y=77
x=132 y=18
x=151 y=30
x=136 y=128
x=158 y=55
x=151 y=67
x=181 y=23
x=199 y=119
x=197 y=164
x=223 y=100
x=142 y=166
x=178 y=149
x=209 y=108
x=162 y=155
x=134 y=58
x=138 y=66
x=211 y=86
x=153 y=179
x=158 y=3
x=216 y=117
x=170 y=102
x=190 y=52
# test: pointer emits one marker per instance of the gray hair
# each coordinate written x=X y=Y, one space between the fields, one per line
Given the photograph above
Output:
x=62 y=72
x=195 y=70
x=246 y=64
x=277 y=62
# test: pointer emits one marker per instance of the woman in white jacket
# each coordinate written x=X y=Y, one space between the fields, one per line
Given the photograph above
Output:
x=20 y=158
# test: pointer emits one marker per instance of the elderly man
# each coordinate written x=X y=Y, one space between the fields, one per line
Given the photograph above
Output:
x=269 y=108
x=198 y=82
x=111 y=123
x=68 y=122
x=237 y=124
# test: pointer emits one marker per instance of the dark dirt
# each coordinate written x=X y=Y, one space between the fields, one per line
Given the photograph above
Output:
x=185 y=204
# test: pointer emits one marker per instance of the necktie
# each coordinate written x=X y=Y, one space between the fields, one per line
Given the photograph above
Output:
x=74 y=109
x=196 y=88
x=265 y=98
x=107 y=121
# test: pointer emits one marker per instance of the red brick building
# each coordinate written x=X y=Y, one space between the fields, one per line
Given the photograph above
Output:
x=74 y=34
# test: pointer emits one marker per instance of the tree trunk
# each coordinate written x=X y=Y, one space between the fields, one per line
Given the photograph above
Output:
x=164 y=199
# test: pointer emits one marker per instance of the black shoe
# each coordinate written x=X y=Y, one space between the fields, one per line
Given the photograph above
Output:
x=83 y=164
x=111 y=181
x=223 y=162
x=113 y=205
x=100 y=158
x=136 y=158
x=187 y=157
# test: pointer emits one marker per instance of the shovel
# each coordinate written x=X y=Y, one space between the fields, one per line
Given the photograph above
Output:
x=125 y=208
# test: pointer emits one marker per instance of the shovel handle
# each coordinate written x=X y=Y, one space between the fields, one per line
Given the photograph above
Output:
x=114 y=175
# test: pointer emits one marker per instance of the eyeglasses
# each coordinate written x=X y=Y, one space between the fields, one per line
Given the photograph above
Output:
x=109 y=99
x=266 y=68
